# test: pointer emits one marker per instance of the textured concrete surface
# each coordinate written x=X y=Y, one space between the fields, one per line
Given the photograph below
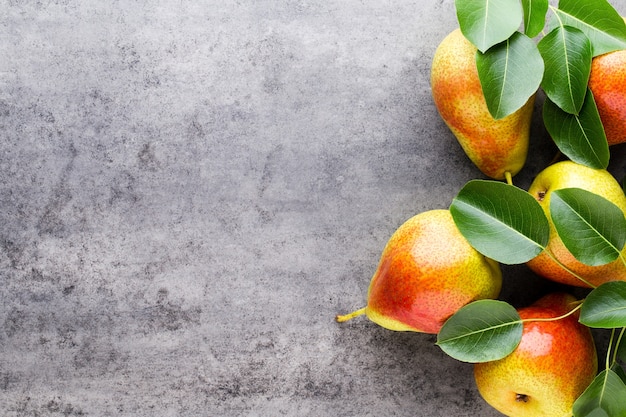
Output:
x=190 y=191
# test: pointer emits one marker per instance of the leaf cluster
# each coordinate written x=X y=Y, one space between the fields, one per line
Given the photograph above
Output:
x=507 y=224
x=523 y=46
x=527 y=45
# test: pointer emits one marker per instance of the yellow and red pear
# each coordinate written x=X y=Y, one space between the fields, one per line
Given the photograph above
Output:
x=607 y=82
x=427 y=271
x=553 y=364
x=568 y=174
x=495 y=146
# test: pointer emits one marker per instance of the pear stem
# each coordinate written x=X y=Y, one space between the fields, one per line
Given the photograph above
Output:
x=556 y=158
x=346 y=317
x=509 y=177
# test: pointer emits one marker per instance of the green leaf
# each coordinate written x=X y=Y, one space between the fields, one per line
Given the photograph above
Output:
x=591 y=227
x=482 y=331
x=567 y=54
x=598 y=19
x=605 y=306
x=501 y=221
x=534 y=16
x=579 y=137
x=510 y=73
x=488 y=22
x=606 y=392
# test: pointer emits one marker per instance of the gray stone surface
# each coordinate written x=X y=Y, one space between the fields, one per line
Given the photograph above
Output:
x=190 y=191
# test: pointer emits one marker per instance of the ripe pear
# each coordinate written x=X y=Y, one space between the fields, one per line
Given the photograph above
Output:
x=607 y=82
x=427 y=271
x=496 y=147
x=553 y=364
x=568 y=174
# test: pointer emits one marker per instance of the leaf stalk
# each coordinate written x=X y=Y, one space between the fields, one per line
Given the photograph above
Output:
x=554 y=258
x=569 y=313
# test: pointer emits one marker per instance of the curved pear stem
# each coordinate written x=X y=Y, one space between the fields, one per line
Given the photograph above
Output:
x=346 y=317
x=509 y=177
x=556 y=158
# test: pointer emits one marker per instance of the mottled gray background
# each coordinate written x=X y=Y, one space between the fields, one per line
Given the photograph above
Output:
x=190 y=191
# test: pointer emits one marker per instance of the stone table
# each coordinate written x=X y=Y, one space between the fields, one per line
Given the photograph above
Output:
x=191 y=191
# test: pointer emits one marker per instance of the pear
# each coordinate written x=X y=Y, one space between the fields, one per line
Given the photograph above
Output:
x=497 y=147
x=427 y=271
x=567 y=174
x=607 y=82
x=553 y=364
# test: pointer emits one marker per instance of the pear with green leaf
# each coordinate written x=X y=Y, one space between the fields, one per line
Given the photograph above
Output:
x=608 y=85
x=550 y=368
x=569 y=174
x=607 y=82
x=427 y=271
x=498 y=147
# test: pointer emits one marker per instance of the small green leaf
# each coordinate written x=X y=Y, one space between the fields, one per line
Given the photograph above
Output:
x=605 y=306
x=567 y=54
x=598 y=19
x=487 y=22
x=591 y=227
x=606 y=392
x=482 y=331
x=534 y=16
x=510 y=73
x=501 y=221
x=579 y=137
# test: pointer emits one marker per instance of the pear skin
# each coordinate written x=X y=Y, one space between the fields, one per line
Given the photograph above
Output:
x=494 y=146
x=427 y=271
x=607 y=82
x=553 y=364
x=566 y=174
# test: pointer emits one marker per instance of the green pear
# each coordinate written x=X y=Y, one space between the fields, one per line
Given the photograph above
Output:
x=550 y=368
x=427 y=271
x=568 y=174
x=498 y=147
